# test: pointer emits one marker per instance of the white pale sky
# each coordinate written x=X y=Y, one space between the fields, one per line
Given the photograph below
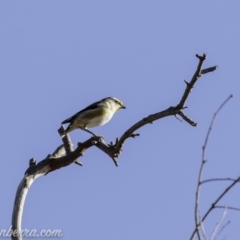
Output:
x=57 y=57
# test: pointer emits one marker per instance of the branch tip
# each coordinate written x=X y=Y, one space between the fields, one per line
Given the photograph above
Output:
x=115 y=162
x=203 y=57
x=177 y=118
x=133 y=135
x=32 y=162
x=207 y=70
x=186 y=118
x=187 y=82
x=78 y=163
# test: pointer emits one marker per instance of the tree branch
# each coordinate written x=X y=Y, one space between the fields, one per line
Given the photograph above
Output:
x=57 y=160
x=217 y=179
x=219 y=198
x=230 y=208
x=195 y=77
x=222 y=228
x=117 y=147
x=51 y=163
x=199 y=221
x=218 y=224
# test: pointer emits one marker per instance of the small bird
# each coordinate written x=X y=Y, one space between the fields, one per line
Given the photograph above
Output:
x=96 y=114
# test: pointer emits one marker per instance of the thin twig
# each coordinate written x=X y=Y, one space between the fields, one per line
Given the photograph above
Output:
x=215 y=230
x=203 y=161
x=197 y=218
x=219 y=198
x=67 y=143
x=202 y=228
x=170 y=111
x=230 y=208
x=213 y=206
x=195 y=77
x=213 y=119
x=207 y=70
x=222 y=228
x=217 y=179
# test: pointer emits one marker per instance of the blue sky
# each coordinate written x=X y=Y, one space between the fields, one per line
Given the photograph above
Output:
x=57 y=57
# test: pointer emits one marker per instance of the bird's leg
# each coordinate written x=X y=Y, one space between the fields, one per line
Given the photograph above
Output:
x=86 y=130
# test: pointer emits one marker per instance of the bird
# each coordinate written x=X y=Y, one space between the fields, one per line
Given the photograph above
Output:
x=96 y=114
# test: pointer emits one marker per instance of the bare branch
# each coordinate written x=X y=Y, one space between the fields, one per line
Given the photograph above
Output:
x=67 y=142
x=207 y=70
x=57 y=160
x=60 y=151
x=199 y=221
x=217 y=179
x=213 y=119
x=110 y=150
x=203 y=231
x=187 y=119
x=170 y=111
x=197 y=218
x=230 y=208
x=218 y=224
x=51 y=163
x=219 y=198
x=20 y=198
x=195 y=77
x=178 y=118
x=222 y=228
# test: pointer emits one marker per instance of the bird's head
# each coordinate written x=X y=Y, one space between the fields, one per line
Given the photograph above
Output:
x=115 y=103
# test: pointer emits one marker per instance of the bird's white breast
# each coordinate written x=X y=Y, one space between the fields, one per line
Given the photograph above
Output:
x=99 y=121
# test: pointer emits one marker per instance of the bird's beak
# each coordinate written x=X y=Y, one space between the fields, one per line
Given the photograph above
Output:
x=123 y=107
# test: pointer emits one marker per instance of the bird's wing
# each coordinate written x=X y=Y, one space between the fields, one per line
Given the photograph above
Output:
x=90 y=107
